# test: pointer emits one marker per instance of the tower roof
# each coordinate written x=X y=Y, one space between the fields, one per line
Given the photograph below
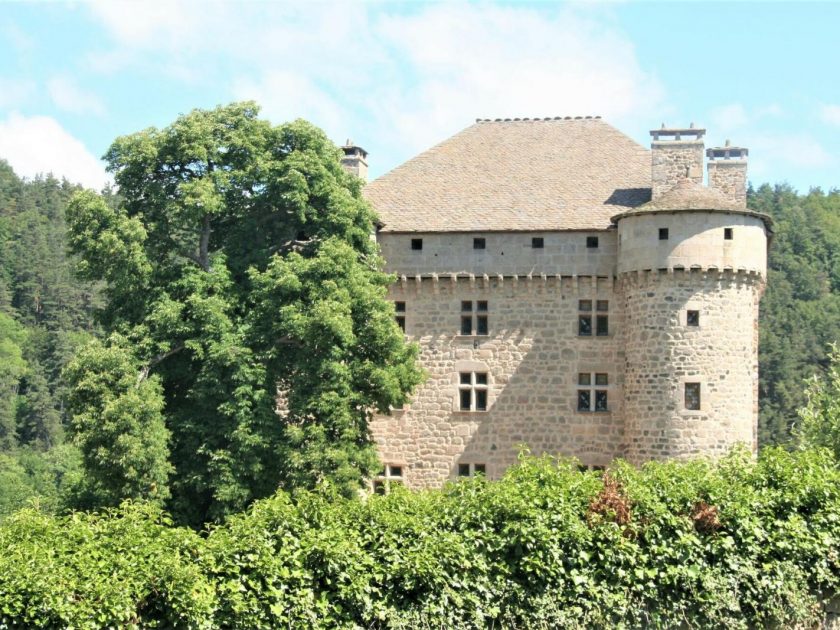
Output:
x=516 y=175
x=688 y=195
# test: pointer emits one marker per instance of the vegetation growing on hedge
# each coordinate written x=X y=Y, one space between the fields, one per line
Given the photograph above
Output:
x=738 y=544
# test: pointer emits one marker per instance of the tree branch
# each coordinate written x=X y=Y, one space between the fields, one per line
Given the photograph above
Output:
x=155 y=360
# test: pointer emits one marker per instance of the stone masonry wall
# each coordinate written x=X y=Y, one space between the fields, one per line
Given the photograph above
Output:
x=662 y=353
x=675 y=160
x=532 y=355
x=729 y=177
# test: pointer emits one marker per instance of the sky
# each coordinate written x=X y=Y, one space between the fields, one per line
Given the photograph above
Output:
x=399 y=77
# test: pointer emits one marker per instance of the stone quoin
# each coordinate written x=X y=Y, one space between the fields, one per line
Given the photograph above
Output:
x=572 y=293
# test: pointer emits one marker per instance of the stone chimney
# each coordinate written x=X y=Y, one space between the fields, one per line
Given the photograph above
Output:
x=676 y=154
x=728 y=172
x=355 y=160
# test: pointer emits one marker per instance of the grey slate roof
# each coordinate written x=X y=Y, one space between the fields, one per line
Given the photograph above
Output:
x=526 y=175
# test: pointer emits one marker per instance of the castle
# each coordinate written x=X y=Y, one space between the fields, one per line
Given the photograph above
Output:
x=572 y=292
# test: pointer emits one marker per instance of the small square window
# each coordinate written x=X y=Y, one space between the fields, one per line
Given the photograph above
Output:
x=585 y=325
x=692 y=396
x=379 y=487
x=480 y=469
x=585 y=305
x=466 y=306
x=663 y=234
x=481 y=306
x=465 y=378
x=692 y=318
x=584 y=400
x=481 y=378
x=399 y=307
x=463 y=470
x=417 y=244
x=602 y=326
x=601 y=379
x=727 y=234
x=592 y=242
x=584 y=378
x=602 y=305
x=537 y=242
x=600 y=400
x=395 y=471
x=479 y=243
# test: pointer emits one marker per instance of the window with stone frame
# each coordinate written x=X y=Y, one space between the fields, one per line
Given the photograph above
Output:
x=472 y=391
x=692 y=318
x=471 y=469
x=592 y=391
x=474 y=317
x=601 y=318
x=390 y=476
x=399 y=307
x=692 y=396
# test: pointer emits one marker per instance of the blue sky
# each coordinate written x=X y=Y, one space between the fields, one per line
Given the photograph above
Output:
x=400 y=77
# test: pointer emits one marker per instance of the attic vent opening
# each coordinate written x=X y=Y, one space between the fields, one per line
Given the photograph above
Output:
x=592 y=242
x=417 y=244
x=537 y=242
x=479 y=243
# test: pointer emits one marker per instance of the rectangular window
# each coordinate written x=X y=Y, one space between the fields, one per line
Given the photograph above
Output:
x=592 y=242
x=470 y=470
x=390 y=476
x=727 y=234
x=399 y=307
x=479 y=243
x=474 y=318
x=590 y=394
x=692 y=396
x=472 y=391
x=692 y=318
x=602 y=325
x=537 y=242
x=663 y=234
x=417 y=244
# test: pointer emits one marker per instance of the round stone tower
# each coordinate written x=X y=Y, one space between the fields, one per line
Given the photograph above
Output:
x=691 y=270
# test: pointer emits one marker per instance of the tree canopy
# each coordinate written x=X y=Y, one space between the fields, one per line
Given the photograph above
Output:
x=240 y=271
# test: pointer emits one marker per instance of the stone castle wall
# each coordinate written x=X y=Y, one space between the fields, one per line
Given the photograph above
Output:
x=532 y=356
x=662 y=353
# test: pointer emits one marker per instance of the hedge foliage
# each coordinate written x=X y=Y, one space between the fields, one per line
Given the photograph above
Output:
x=736 y=544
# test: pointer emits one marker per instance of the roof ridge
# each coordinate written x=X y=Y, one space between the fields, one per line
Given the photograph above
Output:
x=537 y=119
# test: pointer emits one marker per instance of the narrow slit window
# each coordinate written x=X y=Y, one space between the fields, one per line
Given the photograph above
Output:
x=727 y=234
x=417 y=244
x=537 y=242
x=692 y=318
x=479 y=243
x=692 y=396
x=663 y=234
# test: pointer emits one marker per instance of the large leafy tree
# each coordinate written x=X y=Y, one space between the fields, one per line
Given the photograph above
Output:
x=240 y=270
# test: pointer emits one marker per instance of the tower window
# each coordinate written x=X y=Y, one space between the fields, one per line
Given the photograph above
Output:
x=727 y=234
x=472 y=391
x=592 y=242
x=391 y=475
x=537 y=242
x=591 y=394
x=692 y=318
x=417 y=244
x=474 y=318
x=399 y=307
x=663 y=234
x=585 y=318
x=692 y=396
x=479 y=243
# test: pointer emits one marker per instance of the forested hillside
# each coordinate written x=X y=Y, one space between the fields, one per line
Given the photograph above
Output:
x=800 y=312
x=46 y=314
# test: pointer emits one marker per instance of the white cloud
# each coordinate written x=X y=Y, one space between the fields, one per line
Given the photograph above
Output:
x=66 y=95
x=38 y=144
x=771 y=152
x=729 y=117
x=830 y=114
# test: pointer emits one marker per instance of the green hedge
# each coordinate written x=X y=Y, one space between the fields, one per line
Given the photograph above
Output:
x=737 y=544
